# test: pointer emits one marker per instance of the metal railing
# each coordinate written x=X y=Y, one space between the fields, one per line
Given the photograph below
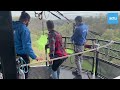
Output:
x=104 y=67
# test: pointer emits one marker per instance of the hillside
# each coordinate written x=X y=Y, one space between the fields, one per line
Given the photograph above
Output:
x=98 y=25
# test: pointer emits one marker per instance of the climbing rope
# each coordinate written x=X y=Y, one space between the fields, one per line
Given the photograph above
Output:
x=69 y=55
x=21 y=61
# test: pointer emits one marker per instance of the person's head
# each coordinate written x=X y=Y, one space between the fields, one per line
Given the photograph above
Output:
x=78 y=20
x=50 y=25
x=25 y=18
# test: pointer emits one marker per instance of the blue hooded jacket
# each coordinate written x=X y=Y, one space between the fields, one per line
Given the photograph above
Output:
x=22 y=39
x=80 y=34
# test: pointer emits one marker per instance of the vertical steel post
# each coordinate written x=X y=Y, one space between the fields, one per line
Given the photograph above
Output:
x=7 y=50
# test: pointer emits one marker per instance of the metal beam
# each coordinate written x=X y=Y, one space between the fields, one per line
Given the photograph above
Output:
x=7 y=51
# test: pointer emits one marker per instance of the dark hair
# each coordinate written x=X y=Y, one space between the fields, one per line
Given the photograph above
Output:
x=50 y=24
x=78 y=18
x=24 y=16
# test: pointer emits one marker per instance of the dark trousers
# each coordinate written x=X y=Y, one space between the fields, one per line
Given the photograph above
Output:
x=57 y=63
x=27 y=60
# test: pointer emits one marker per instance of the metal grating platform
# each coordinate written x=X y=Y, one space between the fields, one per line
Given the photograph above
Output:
x=43 y=73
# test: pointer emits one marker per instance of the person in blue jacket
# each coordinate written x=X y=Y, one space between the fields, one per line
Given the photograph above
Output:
x=22 y=39
x=79 y=40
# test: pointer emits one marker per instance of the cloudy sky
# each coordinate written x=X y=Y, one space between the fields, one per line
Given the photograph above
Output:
x=68 y=14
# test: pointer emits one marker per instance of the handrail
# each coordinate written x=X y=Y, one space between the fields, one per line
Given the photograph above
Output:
x=115 y=65
x=108 y=41
x=99 y=59
x=112 y=49
x=109 y=56
x=87 y=39
x=96 y=39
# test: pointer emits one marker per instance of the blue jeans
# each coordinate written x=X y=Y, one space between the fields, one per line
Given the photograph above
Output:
x=55 y=74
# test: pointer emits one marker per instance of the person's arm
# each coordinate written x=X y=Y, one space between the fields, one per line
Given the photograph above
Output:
x=86 y=33
x=47 y=44
x=74 y=34
x=51 y=39
x=26 y=42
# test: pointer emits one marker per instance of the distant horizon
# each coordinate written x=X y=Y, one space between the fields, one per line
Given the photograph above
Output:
x=68 y=14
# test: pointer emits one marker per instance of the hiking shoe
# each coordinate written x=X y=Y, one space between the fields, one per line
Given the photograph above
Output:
x=75 y=73
x=78 y=77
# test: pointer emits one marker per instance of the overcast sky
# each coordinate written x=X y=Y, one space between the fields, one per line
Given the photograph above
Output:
x=68 y=14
